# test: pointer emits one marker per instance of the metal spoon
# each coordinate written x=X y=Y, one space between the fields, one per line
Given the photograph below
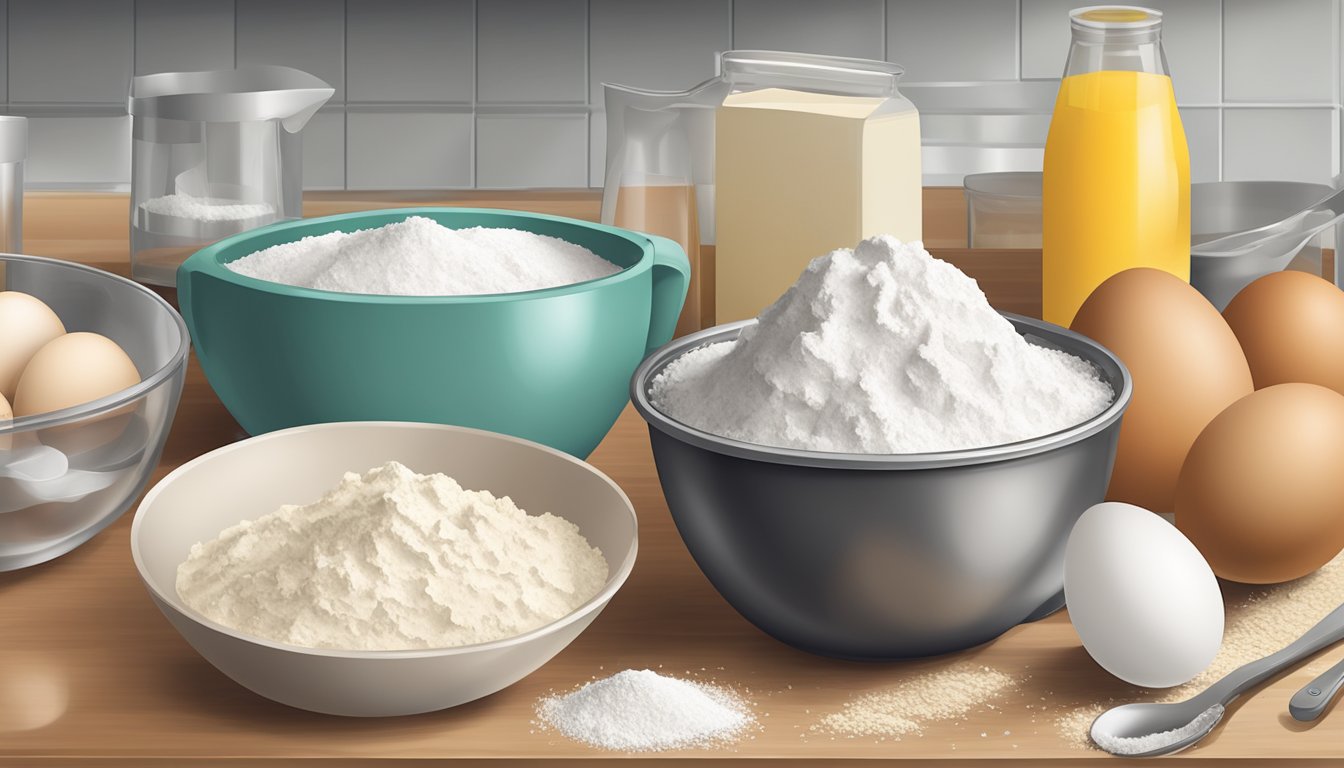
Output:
x=1148 y=730
x=1308 y=703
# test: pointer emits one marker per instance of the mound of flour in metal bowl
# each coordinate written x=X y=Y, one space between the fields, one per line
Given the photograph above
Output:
x=879 y=350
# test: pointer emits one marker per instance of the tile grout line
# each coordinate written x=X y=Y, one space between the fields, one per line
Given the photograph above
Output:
x=474 y=132
x=588 y=93
x=345 y=90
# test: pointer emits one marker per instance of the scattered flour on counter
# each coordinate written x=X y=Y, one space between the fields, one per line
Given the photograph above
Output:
x=206 y=208
x=882 y=349
x=905 y=708
x=420 y=257
x=393 y=560
x=643 y=711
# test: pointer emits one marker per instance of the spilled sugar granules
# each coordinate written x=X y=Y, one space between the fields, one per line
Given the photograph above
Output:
x=643 y=711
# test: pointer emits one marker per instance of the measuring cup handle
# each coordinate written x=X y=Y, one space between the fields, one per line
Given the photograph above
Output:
x=671 y=278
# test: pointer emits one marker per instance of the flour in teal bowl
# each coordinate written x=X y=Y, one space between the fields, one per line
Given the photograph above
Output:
x=420 y=257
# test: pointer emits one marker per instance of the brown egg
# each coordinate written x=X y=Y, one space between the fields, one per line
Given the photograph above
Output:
x=72 y=370
x=1187 y=367
x=1291 y=327
x=1262 y=492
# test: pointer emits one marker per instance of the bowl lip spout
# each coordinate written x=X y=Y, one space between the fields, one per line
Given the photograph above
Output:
x=122 y=398
x=1039 y=332
x=617 y=573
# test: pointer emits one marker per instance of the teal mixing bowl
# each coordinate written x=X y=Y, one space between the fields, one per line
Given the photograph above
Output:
x=550 y=365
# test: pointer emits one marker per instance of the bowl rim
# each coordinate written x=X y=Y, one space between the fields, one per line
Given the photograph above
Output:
x=616 y=578
x=207 y=260
x=120 y=398
x=660 y=359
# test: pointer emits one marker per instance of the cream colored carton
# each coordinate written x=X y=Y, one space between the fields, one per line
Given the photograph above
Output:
x=799 y=174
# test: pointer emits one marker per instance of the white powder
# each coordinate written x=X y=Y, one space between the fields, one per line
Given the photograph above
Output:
x=905 y=708
x=420 y=257
x=206 y=208
x=883 y=349
x=1142 y=745
x=643 y=711
x=393 y=560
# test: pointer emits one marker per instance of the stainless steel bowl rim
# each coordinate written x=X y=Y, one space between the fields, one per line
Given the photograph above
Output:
x=115 y=400
x=615 y=579
x=655 y=363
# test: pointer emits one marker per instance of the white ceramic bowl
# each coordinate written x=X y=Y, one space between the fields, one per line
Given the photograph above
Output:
x=296 y=466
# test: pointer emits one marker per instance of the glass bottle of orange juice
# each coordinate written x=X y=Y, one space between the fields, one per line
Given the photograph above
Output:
x=1117 y=170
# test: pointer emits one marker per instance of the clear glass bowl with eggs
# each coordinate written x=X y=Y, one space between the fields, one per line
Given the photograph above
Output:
x=91 y=370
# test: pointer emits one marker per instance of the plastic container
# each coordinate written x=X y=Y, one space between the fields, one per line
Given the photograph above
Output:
x=1117 y=170
x=1003 y=210
x=855 y=172
x=549 y=365
x=372 y=683
x=13 y=152
x=110 y=446
x=885 y=556
x=213 y=154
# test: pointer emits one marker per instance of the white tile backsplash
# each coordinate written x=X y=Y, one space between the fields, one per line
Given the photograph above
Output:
x=518 y=151
x=70 y=51
x=408 y=150
x=543 y=61
x=1281 y=51
x=507 y=93
x=304 y=34
x=953 y=40
x=410 y=51
x=1288 y=144
x=834 y=28
x=183 y=35
x=324 y=151
x=597 y=148
x=1190 y=37
x=1203 y=135
x=92 y=150
x=653 y=44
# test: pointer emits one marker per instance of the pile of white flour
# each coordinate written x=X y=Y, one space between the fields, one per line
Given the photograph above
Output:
x=643 y=711
x=206 y=208
x=880 y=350
x=421 y=257
x=392 y=560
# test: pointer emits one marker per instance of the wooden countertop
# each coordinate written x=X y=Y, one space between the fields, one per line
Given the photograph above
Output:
x=90 y=673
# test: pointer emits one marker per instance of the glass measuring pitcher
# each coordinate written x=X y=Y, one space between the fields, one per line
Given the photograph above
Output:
x=212 y=154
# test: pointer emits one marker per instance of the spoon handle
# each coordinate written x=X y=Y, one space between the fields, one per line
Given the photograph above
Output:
x=1329 y=631
x=1308 y=703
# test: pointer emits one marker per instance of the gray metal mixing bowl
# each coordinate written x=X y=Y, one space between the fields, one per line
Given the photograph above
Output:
x=885 y=556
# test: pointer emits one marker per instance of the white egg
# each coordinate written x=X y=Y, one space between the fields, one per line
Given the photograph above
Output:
x=1143 y=600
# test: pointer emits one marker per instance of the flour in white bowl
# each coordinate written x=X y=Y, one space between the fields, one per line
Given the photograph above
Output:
x=420 y=257
x=880 y=350
x=393 y=560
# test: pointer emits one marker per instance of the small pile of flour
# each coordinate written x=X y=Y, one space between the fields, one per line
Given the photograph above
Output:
x=643 y=711
x=882 y=349
x=420 y=257
x=206 y=208
x=393 y=560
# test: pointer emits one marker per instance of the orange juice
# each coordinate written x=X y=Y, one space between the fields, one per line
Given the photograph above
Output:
x=1116 y=186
